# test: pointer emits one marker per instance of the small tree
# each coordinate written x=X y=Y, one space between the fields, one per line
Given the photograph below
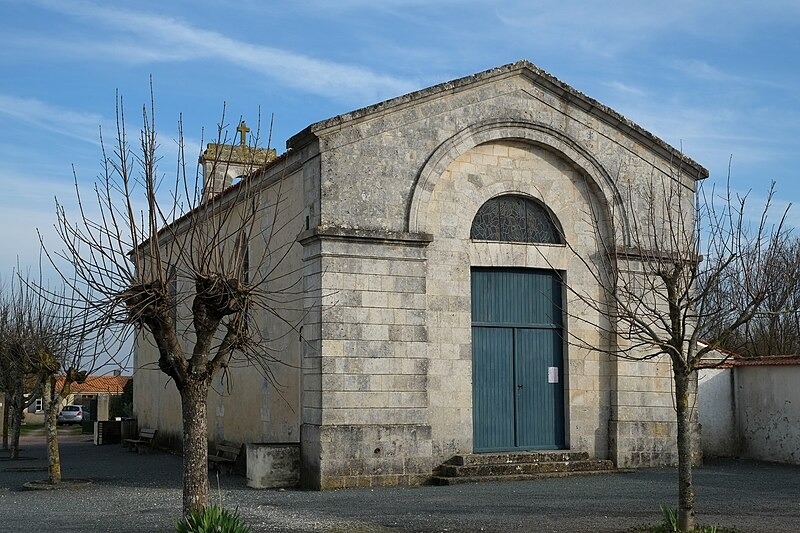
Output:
x=65 y=359
x=130 y=252
x=21 y=331
x=40 y=339
x=12 y=375
x=666 y=279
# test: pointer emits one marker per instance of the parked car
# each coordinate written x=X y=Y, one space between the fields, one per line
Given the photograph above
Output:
x=71 y=414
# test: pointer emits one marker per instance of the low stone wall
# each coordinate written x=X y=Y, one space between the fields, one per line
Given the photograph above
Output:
x=335 y=457
x=271 y=466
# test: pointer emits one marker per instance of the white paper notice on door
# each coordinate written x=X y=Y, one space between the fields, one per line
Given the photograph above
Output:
x=552 y=374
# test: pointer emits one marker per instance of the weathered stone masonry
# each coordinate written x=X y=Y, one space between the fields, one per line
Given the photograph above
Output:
x=389 y=193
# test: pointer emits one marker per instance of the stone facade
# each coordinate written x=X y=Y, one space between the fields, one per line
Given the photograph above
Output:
x=388 y=197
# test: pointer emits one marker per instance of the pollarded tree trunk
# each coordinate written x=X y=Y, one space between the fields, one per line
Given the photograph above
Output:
x=194 y=409
x=6 y=421
x=686 y=518
x=51 y=429
x=17 y=408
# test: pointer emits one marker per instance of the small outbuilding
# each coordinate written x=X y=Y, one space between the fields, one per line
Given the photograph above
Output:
x=94 y=394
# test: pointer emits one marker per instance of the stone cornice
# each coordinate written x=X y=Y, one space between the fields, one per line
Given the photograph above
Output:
x=372 y=236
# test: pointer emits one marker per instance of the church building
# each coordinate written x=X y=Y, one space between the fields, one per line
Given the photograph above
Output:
x=439 y=242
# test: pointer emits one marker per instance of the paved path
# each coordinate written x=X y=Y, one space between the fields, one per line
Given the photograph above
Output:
x=133 y=492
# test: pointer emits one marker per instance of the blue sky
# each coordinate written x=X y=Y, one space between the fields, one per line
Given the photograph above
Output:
x=718 y=79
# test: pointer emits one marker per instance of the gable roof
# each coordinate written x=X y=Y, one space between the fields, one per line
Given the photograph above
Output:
x=536 y=75
x=96 y=385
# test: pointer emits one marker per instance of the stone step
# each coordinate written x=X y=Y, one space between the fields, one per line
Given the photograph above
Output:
x=517 y=457
x=442 y=480
x=511 y=469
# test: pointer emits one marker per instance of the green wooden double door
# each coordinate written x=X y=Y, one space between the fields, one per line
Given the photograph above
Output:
x=517 y=360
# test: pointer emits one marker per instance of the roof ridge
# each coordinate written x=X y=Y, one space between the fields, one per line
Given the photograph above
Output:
x=304 y=136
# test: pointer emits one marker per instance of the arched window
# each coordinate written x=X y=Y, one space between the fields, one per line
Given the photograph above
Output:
x=515 y=219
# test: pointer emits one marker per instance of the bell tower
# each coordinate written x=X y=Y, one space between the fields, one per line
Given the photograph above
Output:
x=223 y=163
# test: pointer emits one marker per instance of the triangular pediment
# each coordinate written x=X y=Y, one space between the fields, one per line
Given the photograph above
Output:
x=539 y=78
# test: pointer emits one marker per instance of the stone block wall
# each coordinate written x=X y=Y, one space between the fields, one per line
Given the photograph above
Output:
x=643 y=427
x=389 y=350
x=244 y=405
x=365 y=403
x=480 y=173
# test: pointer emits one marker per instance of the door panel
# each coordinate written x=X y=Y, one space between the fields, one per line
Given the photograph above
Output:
x=539 y=403
x=516 y=297
x=516 y=339
x=493 y=388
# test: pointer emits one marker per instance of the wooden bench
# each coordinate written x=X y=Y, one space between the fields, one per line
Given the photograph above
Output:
x=144 y=442
x=225 y=456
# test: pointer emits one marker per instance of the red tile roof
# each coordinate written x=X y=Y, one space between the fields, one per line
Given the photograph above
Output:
x=776 y=360
x=96 y=384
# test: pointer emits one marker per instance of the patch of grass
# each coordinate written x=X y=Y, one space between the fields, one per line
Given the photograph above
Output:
x=38 y=429
x=27 y=429
x=670 y=525
x=666 y=528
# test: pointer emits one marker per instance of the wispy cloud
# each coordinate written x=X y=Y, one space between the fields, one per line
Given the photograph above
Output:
x=33 y=112
x=610 y=29
x=614 y=27
x=21 y=189
x=25 y=205
x=701 y=70
x=143 y=37
x=624 y=88
x=711 y=135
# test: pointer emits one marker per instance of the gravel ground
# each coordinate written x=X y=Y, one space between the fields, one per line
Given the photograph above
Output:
x=131 y=492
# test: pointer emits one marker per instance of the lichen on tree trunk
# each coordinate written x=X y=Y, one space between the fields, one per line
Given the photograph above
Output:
x=6 y=420
x=195 y=444
x=686 y=516
x=16 y=422
x=51 y=429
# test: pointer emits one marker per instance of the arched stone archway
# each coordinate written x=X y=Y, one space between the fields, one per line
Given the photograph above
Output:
x=529 y=132
x=492 y=169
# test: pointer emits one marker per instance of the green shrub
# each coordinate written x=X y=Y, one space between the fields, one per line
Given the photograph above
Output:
x=213 y=519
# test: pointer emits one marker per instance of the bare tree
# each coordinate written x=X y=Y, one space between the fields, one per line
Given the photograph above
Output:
x=66 y=356
x=142 y=235
x=5 y=384
x=775 y=328
x=10 y=382
x=42 y=345
x=19 y=341
x=668 y=273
